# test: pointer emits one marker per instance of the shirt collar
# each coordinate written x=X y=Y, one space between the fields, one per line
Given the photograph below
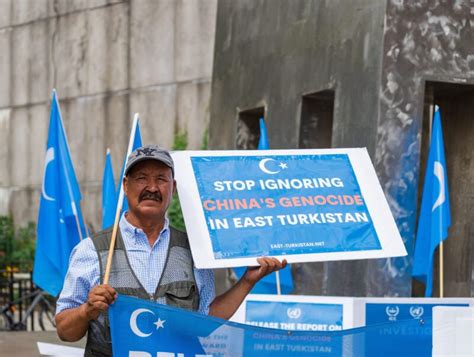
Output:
x=129 y=230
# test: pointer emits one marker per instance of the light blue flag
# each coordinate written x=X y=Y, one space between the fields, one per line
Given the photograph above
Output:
x=435 y=216
x=268 y=284
x=143 y=328
x=137 y=142
x=60 y=223
x=263 y=143
x=109 y=194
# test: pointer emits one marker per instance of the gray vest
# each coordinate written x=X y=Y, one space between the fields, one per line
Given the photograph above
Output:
x=177 y=285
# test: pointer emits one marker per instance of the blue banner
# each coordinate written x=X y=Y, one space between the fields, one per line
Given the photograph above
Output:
x=379 y=313
x=312 y=203
x=142 y=328
x=297 y=316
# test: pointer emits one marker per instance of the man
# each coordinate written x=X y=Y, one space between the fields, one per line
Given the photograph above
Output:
x=151 y=261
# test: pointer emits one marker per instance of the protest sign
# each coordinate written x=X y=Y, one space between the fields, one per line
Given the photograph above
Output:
x=301 y=205
x=378 y=311
x=142 y=328
x=297 y=312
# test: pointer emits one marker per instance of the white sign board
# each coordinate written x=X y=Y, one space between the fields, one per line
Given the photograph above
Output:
x=297 y=312
x=299 y=205
x=453 y=331
x=370 y=311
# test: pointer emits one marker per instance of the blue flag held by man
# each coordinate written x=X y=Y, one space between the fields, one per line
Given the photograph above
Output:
x=60 y=223
x=141 y=328
x=435 y=216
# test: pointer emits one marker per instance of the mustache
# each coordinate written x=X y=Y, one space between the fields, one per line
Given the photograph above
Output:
x=147 y=195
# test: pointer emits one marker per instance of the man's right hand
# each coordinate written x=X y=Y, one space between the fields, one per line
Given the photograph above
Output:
x=99 y=299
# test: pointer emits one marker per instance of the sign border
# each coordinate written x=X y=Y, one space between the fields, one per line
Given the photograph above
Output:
x=347 y=304
x=199 y=237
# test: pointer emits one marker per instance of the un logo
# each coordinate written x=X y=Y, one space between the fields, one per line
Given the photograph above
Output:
x=392 y=312
x=293 y=313
x=416 y=311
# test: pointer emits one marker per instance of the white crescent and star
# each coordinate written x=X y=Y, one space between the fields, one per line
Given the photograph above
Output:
x=262 y=165
x=49 y=158
x=133 y=322
x=438 y=171
x=159 y=323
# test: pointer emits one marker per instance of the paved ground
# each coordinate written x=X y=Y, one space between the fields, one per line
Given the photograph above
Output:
x=23 y=344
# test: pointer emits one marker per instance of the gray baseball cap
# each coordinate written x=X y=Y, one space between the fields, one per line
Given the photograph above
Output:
x=149 y=152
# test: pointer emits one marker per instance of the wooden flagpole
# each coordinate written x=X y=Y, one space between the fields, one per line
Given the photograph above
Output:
x=277 y=275
x=441 y=250
x=119 y=205
x=441 y=270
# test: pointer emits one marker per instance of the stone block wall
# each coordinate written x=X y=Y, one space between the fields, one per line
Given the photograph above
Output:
x=107 y=59
x=378 y=58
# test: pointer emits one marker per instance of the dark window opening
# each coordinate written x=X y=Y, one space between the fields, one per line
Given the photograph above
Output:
x=248 y=128
x=317 y=113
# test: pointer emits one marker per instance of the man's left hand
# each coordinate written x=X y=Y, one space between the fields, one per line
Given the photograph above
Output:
x=267 y=266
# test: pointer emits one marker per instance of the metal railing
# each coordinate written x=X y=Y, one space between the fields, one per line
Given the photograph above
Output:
x=22 y=305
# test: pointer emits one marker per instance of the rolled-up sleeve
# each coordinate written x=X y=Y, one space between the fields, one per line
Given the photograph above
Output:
x=82 y=275
x=205 y=282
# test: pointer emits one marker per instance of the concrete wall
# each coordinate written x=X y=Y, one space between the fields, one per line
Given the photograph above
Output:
x=376 y=56
x=107 y=59
x=270 y=53
x=424 y=41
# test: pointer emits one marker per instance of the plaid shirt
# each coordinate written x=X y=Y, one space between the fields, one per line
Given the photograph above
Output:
x=147 y=262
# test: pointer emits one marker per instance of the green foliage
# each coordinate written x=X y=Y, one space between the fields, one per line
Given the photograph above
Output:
x=17 y=248
x=205 y=140
x=180 y=141
x=7 y=233
x=175 y=214
x=24 y=246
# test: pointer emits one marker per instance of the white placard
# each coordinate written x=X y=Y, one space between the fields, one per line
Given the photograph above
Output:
x=383 y=310
x=288 y=312
x=299 y=205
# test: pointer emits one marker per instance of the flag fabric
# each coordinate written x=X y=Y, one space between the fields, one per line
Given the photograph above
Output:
x=141 y=328
x=137 y=142
x=267 y=285
x=60 y=223
x=435 y=216
x=263 y=143
x=109 y=194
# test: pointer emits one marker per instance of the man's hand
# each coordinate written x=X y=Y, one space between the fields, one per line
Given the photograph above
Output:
x=225 y=305
x=100 y=297
x=267 y=266
x=72 y=324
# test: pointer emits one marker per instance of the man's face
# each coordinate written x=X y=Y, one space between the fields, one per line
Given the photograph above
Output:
x=149 y=187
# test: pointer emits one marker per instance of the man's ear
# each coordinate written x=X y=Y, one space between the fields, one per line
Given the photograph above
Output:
x=125 y=185
x=174 y=186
